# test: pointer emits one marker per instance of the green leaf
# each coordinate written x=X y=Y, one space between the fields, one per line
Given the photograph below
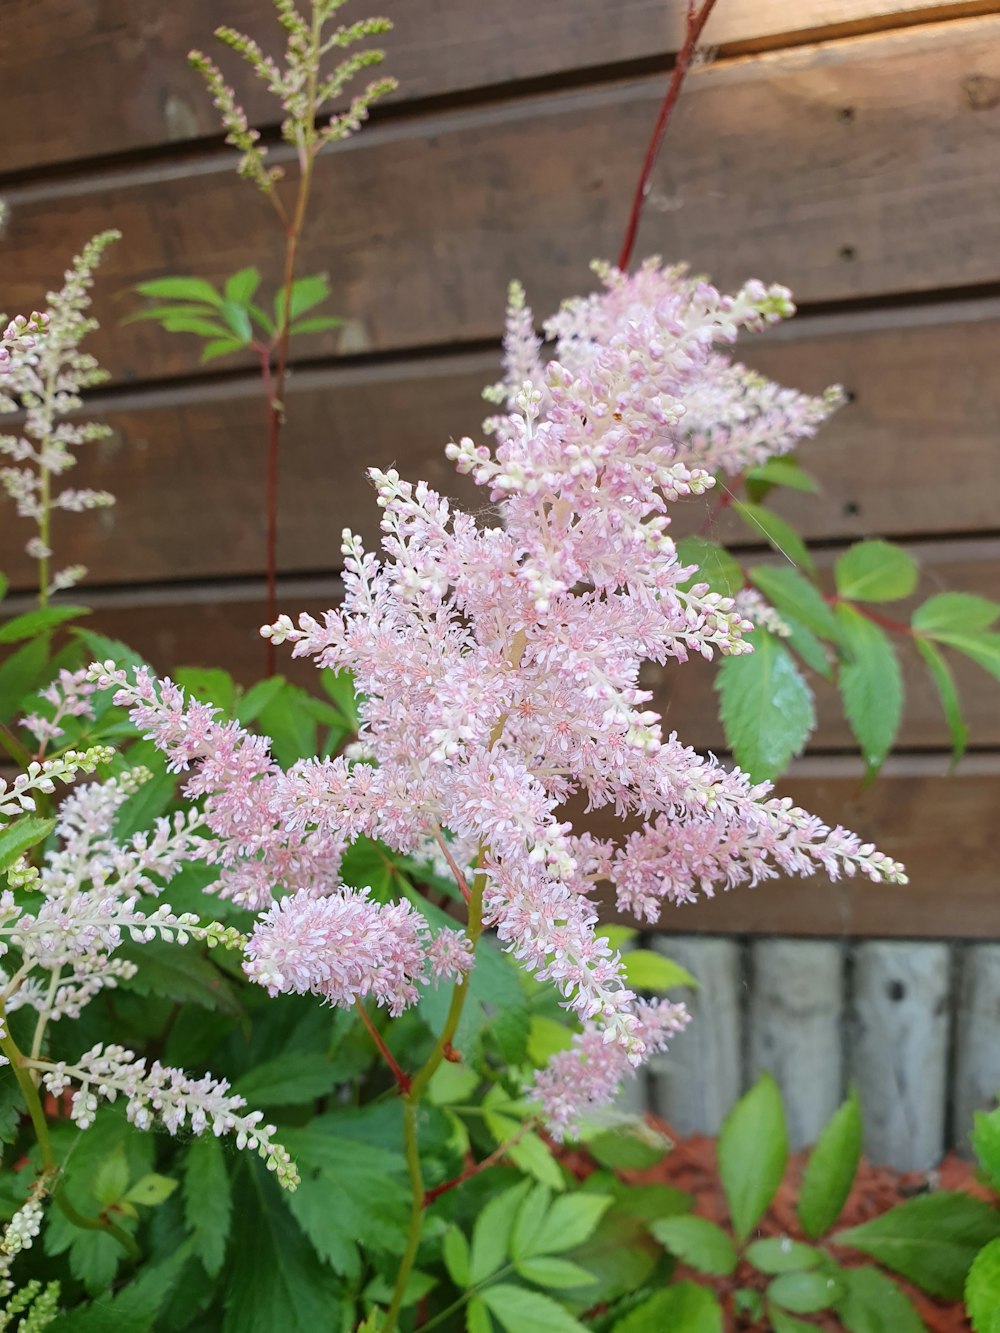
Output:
x=477 y=1319
x=780 y=1254
x=871 y=685
x=531 y=1153
x=753 y=1151
x=180 y=289
x=570 y=1222
x=242 y=286
x=629 y=1148
x=238 y=320
x=20 y=674
x=151 y=1190
x=39 y=622
x=931 y=1240
x=207 y=1200
x=808 y=646
x=795 y=596
x=263 y=319
x=287 y=1080
x=290 y=725
x=682 y=1307
x=204 y=328
x=256 y=698
x=783 y=537
x=872 y=1303
x=111 y=1178
x=160 y=312
x=831 y=1168
x=307 y=293
x=766 y=707
x=317 y=324
x=645 y=969
x=986 y=1142
x=982 y=1289
x=209 y=685
x=782 y=472
x=275 y=1282
x=955 y=612
x=716 y=566
x=782 y=1322
x=983 y=647
x=748 y=1305
x=181 y=974
x=455 y=1250
x=518 y=1309
x=805 y=1292
x=491 y=1234
x=947 y=693
x=219 y=347
x=875 y=571
x=546 y=1038
x=547 y=1271
x=21 y=836
x=699 y=1243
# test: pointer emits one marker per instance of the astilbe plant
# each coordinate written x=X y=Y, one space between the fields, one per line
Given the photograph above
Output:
x=497 y=669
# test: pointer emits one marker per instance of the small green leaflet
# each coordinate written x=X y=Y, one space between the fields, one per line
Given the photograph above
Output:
x=753 y=1152
x=683 y=1307
x=955 y=613
x=779 y=1254
x=796 y=596
x=781 y=535
x=871 y=685
x=982 y=1289
x=766 y=707
x=181 y=289
x=805 y=1291
x=779 y=472
x=947 y=693
x=875 y=571
x=516 y=1310
x=983 y=647
x=872 y=1303
x=20 y=837
x=37 y=622
x=830 y=1170
x=699 y=1243
x=716 y=566
x=986 y=1143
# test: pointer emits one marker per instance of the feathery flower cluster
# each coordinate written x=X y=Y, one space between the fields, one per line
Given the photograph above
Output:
x=43 y=378
x=67 y=696
x=497 y=669
x=20 y=335
x=167 y=1095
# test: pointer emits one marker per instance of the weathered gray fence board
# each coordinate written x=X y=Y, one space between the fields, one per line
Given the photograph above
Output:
x=977 y=1039
x=696 y=1082
x=796 y=1013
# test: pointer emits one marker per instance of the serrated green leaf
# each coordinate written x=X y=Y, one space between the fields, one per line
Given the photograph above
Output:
x=207 y=1200
x=716 y=566
x=307 y=293
x=872 y=1303
x=238 y=320
x=20 y=837
x=257 y=697
x=180 y=289
x=150 y=1190
x=782 y=536
x=263 y=319
x=517 y=1309
x=808 y=646
x=242 y=286
x=753 y=1152
x=209 y=685
x=682 y=1307
x=831 y=1168
x=871 y=685
x=455 y=1251
x=548 y=1271
x=931 y=1240
x=947 y=693
x=982 y=647
x=766 y=707
x=955 y=612
x=287 y=1080
x=532 y=1154
x=986 y=1142
x=111 y=1177
x=781 y=1254
x=217 y=347
x=629 y=1148
x=875 y=571
x=290 y=725
x=571 y=1221
x=317 y=324
x=477 y=1319
x=509 y=1030
x=982 y=1289
x=783 y=472
x=452 y=1083
x=492 y=1232
x=647 y=970
x=795 y=596
x=39 y=622
x=699 y=1243
x=181 y=974
x=805 y=1292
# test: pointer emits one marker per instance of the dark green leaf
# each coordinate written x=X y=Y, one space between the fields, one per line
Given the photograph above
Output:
x=716 y=566
x=242 y=286
x=699 y=1243
x=517 y=1309
x=21 y=836
x=180 y=974
x=209 y=685
x=872 y=1303
x=947 y=693
x=871 y=685
x=932 y=1239
x=795 y=596
x=491 y=1234
x=805 y=1292
x=765 y=523
x=20 y=674
x=982 y=1289
x=753 y=1151
x=290 y=725
x=780 y=1254
x=766 y=707
x=955 y=612
x=783 y=1322
x=287 y=1080
x=680 y=1308
x=180 y=289
x=875 y=571
x=257 y=697
x=830 y=1170
x=39 y=622
x=808 y=646
x=748 y=1305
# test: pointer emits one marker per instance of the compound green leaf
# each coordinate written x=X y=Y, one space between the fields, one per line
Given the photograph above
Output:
x=766 y=707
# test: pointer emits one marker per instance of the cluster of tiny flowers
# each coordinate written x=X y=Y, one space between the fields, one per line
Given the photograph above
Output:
x=167 y=1095
x=20 y=1234
x=498 y=668
x=20 y=336
x=43 y=378
x=753 y=607
x=67 y=696
x=16 y=798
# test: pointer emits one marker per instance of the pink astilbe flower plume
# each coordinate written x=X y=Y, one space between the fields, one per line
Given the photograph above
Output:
x=498 y=670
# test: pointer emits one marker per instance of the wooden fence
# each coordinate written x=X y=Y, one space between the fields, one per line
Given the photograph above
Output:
x=846 y=147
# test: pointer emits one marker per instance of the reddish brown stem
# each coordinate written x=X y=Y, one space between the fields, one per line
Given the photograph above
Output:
x=402 y=1078
x=497 y=1155
x=695 y=22
x=896 y=626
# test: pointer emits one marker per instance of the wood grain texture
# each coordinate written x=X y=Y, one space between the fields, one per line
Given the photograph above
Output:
x=422 y=222
x=85 y=80
x=187 y=467
x=977 y=1050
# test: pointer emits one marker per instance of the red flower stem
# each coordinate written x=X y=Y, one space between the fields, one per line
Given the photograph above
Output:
x=452 y=865
x=497 y=1155
x=896 y=626
x=695 y=22
x=401 y=1077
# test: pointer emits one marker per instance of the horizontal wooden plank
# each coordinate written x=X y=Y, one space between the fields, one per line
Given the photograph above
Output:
x=846 y=169
x=915 y=452
x=85 y=80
